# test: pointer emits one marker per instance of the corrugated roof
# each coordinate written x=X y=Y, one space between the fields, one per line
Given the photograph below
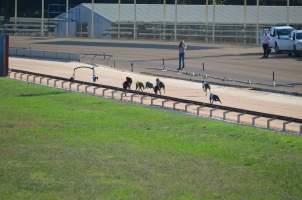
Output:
x=196 y=13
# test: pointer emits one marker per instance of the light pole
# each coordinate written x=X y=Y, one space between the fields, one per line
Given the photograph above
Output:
x=257 y=25
x=207 y=19
x=42 y=18
x=287 y=12
x=67 y=18
x=175 y=21
x=213 y=20
x=134 y=27
x=164 y=19
x=92 y=19
x=119 y=19
x=16 y=14
x=244 y=18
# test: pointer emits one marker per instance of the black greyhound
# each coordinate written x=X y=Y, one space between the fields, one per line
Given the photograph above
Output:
x=127 y=83
x=129 y=80
x=159 y=85
x=214 y=97
x=149 y=85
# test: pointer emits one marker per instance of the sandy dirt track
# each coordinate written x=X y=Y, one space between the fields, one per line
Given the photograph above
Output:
x=235 y=97
x=221 y=60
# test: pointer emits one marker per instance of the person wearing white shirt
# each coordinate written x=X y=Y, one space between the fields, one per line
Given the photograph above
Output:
x=265 y=45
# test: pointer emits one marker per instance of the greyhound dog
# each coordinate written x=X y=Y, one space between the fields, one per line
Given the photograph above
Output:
x=127 y=83
x=159 y=86
x=206 y=86
x=139 y=86
x=149 y=85
x=95 y=78
x=214 y=97
x=129 y=80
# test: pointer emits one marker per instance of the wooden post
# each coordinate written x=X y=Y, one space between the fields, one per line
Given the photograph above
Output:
x=238 y=117
x=163 y=103
x=224 y=114
x=254 y=120
x=284 y=126
x=268 y=123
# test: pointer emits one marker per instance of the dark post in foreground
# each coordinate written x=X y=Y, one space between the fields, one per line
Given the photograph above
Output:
x=4 y=44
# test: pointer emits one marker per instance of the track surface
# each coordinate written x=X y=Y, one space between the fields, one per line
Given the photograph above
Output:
x=234 y=97
x=220 y=60
x=125 y=45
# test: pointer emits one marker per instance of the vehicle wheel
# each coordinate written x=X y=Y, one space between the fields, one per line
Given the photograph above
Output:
x=277 y=50
x=295 y=51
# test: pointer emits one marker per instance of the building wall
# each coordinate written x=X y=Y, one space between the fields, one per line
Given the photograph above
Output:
x=82 y=15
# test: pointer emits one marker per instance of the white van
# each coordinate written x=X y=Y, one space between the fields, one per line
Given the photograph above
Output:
x=279 y=38
x=296 y=42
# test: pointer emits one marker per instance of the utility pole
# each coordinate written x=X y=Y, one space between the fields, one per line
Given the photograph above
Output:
x=42 y=18
x=16 y=15
x=92 y=19
x=207 y=19
x=287 y=12
x=244 y=23
x=134 y=27
x=164 y=19
x=213 y=21
x=257 y=25
x=119 y=19
x=67 y=18
x=175 y=21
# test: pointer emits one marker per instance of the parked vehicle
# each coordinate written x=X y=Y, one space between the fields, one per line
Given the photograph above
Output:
x=279 y=39
x=296 y=42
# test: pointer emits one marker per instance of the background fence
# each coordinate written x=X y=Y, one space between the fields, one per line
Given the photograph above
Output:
x=210 y=22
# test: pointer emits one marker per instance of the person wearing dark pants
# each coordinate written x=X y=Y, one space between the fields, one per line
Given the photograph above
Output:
x=181 y=50
x=265 y=45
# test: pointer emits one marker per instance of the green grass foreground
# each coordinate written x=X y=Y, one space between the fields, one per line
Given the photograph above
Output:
x=60 y=145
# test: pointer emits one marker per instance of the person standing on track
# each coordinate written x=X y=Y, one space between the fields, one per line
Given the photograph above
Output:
x=181 y=56
x=265 y=45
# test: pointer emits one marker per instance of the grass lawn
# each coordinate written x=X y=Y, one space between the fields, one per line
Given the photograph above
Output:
x=60 y=145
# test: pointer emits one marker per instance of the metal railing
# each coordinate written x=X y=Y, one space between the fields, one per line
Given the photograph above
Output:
x=34 y=53
x=285 y=120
